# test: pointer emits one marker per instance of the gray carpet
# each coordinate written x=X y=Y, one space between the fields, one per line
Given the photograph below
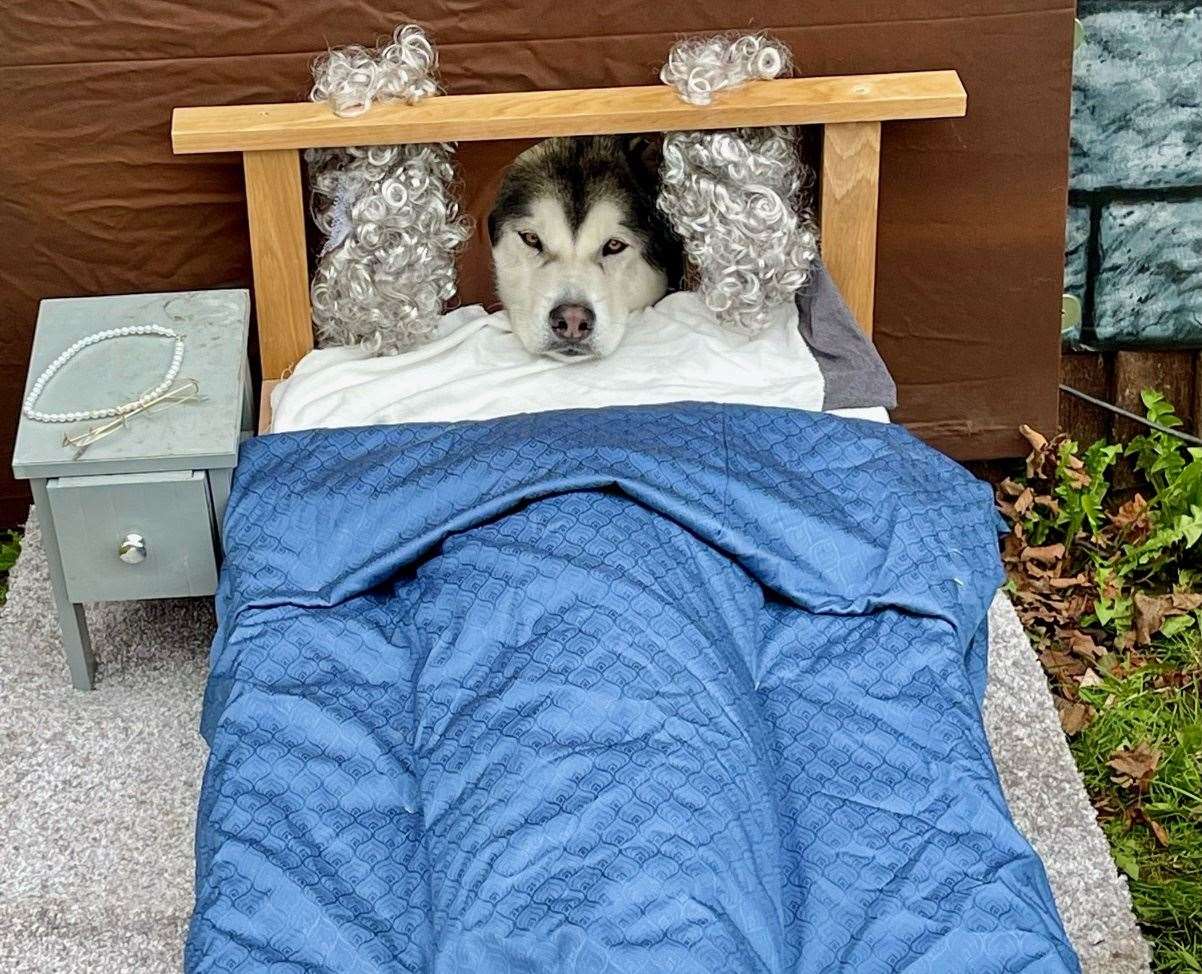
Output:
x=98 y=791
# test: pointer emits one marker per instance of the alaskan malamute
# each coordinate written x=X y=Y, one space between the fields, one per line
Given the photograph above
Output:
x=578 y=244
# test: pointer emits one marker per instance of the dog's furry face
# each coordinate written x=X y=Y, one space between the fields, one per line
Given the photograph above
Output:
x=578 y=244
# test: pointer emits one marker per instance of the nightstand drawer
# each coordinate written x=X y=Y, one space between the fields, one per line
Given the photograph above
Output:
x=135 y=536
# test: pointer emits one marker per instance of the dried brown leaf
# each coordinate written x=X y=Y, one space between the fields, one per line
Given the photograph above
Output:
x=1078 y=605
x=1068 y=581
x=1043 y=500
x=1040 y=455
x=1105 y=805
x=1011 y=547
x=1010 y=488
x=1024 y=501
x=1158 y=830
x=1081 y=643
x=1074 y=717
x=1134 y=767
x=1150 y=612
x=1046 y=554
x=1132 y=512
x=1037 y=440
x=1186 y=601
x=1078 y=478
x=1062 y=665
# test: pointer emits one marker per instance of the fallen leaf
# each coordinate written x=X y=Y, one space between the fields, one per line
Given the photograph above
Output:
x=1011 y=548
x=1150 y=611
x=1024 y=501
x=1040 y=459
x=1172 y=680
x=1074 y=717
x=1186 y=601
x=1158 y=830
x=1037 y=440
x=1078 y=605
x=1132 y=514
x=1010 y=488
x=1040 y=574
x=1105 y=805
x=1043 y=500
x=1134 y=767
x=1068 y=582
x=1047 y=554
x=1091 y=679
x=1078 y=477
x=1082 y=643
x=1061 y=665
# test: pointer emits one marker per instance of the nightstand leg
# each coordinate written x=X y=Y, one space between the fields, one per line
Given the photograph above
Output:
x=76 y=644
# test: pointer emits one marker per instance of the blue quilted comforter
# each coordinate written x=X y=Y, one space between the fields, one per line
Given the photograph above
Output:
x=691 y=688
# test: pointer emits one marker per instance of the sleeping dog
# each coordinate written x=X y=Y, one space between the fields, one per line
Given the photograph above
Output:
x=578 y=244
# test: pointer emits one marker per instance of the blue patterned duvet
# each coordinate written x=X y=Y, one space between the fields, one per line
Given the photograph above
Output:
x=691 y=688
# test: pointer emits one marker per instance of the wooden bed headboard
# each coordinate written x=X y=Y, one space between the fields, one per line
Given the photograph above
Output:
x=851 y=109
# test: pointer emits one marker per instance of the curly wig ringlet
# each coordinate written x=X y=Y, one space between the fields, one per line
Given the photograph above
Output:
x=388 y=212
x=733 y=196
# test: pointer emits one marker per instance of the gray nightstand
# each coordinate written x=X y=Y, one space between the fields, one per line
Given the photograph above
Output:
x=138 y=515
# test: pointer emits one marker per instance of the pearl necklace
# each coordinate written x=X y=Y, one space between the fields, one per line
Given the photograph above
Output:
x=39 y=384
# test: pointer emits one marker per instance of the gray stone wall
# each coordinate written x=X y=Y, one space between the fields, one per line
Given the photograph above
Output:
x=1133 y=241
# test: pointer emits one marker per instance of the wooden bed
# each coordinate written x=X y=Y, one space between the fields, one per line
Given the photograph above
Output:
x=270 y=137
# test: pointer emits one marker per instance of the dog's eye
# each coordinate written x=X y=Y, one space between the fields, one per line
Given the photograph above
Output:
x=613 y=246
x=531 y=240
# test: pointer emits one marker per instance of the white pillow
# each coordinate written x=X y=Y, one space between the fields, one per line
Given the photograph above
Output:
x=477 y=369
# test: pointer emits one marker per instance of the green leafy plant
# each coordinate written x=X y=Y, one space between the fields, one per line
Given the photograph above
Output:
x=1104 y=564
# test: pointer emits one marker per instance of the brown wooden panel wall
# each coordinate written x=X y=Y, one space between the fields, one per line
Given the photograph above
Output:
x=970 y=243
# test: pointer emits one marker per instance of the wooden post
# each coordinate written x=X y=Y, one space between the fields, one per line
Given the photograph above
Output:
x=275 y=206
x=588 y=111
x=851 y=165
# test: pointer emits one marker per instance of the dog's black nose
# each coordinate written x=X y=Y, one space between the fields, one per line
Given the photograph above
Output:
x=572 y=322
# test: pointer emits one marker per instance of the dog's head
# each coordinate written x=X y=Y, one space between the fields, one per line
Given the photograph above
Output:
x=578 y=244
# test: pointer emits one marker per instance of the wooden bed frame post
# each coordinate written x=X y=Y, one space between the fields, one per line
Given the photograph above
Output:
x=275 y=209
x=851 y=170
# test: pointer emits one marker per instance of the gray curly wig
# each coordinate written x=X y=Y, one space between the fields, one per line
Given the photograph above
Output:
x=734 y=196
x=388 y=213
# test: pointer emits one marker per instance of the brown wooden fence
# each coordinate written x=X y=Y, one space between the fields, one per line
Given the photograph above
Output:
x=1118 y=377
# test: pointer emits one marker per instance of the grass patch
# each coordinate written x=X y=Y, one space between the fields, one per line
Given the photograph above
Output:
x=1155 y=833
x=1104 y=563
x=10 y=550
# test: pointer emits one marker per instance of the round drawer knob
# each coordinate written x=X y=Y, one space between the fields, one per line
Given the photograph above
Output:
x=132 y=549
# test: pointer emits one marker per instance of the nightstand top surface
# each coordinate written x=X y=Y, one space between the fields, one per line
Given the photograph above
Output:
x=193 y=435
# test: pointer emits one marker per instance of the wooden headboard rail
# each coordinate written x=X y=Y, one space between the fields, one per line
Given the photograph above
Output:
x=270 y=137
